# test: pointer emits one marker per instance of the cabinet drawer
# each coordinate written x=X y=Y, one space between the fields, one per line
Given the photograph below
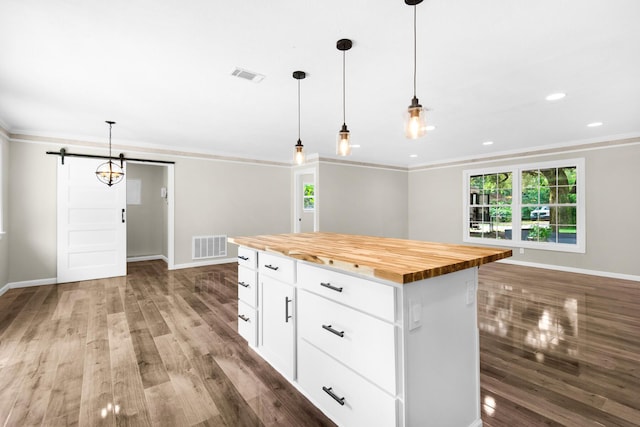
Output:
x=356 y=403
x=247 y=257
x=247 y=323
x=277 y=267
x=362 y=342
x=247 y=286
x=365 y=295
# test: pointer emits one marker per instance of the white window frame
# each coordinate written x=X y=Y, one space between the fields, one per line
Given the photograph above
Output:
x=516 y=205
x=307 y=197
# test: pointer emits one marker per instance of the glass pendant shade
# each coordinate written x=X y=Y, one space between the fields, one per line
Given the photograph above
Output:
x=110 y=173
x=298 y=154
x=415 y=120
x=343 y=146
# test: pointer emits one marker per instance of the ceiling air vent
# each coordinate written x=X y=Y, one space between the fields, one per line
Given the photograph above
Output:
x=247 y=75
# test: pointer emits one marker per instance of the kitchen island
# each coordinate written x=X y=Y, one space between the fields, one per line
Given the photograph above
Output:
x=374 y=331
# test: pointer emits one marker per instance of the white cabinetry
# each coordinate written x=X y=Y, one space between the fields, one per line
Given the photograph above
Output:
x=277 y=310
x=247 y=295
x=370 y=352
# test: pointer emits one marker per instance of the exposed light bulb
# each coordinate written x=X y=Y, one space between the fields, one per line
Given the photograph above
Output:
x=298 y=155
x=416 y=125
x=343 y=147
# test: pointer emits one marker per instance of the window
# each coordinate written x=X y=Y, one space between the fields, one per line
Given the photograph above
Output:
x=538 y=206
x=308 y=197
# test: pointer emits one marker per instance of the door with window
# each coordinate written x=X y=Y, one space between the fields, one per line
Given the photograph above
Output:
x=92 y=234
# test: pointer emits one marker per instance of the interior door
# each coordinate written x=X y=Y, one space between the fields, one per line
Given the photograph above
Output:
x=92 y=234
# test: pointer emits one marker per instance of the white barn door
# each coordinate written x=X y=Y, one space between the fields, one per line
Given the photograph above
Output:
x=92 y=234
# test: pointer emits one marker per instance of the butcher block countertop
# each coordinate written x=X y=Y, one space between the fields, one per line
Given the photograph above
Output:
x=396 y=260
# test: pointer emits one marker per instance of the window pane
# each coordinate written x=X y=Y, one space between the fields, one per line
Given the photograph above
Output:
x=567 y=215
x=309 y=189
x=309 y=202
x=490 y=182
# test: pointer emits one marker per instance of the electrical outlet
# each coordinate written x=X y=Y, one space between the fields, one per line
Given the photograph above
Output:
x=471 y=293
x=415 y=314
x=521 y=250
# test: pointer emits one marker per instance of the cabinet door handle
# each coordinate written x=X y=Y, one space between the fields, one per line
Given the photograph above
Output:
x=243 y=317
x=330 y=392
x=333 y=288
x=271 y=267
x=244 y=258
x=286 y=309
x=333 y=331
x=244 y=285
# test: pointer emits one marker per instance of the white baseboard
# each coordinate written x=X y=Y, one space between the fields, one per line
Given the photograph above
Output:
x=148 y=258
x=204 y=263
x=612 y=275
x=29 y=283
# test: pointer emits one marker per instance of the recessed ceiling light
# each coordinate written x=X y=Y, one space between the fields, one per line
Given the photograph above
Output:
x=430 y=127
x=355 y=145
x=413 y=155
x=594 y=124
x=555 y=96
x=487 y=143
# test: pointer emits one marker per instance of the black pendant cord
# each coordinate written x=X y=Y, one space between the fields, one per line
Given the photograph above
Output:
x=415 y=50
x=298 y=109
x=344 y=114
x=110 y=124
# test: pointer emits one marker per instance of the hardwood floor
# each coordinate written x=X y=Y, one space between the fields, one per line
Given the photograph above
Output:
x=558 y=349
x=161 y=348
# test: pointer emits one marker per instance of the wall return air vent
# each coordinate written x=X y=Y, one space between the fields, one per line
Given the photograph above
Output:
x=247 y=75
x=209 y=247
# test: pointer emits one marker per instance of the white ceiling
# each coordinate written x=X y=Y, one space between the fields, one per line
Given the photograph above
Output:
x=161 y=70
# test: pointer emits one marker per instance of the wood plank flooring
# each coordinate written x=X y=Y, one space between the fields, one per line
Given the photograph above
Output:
x=161 y=348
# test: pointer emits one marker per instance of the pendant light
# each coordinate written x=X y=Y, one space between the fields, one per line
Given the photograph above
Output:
x=108 y=172
x=343 y=146
x=298 y=154
x=415 y=120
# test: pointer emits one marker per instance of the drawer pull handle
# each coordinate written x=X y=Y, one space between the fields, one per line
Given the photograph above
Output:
x=329 y=286
x=333 y=331
x=271 y=267
x=286 y=309
x=244 y=285
x=330 y=392
x=243 y=317
x=244 y=258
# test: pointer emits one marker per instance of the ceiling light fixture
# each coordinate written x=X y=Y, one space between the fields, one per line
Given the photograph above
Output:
x=298 y=154
x=416 y=121
x=109 y=173
x=343 y=146
x=555 y=96
x=594 y=124
x=430 y=127
x=487 y=143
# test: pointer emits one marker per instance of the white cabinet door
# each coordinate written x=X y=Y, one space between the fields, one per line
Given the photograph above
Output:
x=277 y=325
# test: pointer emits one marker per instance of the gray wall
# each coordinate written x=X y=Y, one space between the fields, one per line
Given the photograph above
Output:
x=236 y=199
x=211 y=197
x=612 y=209
x=4 y=191
x=32 y=212
x=146 y=222
x=363 y=200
